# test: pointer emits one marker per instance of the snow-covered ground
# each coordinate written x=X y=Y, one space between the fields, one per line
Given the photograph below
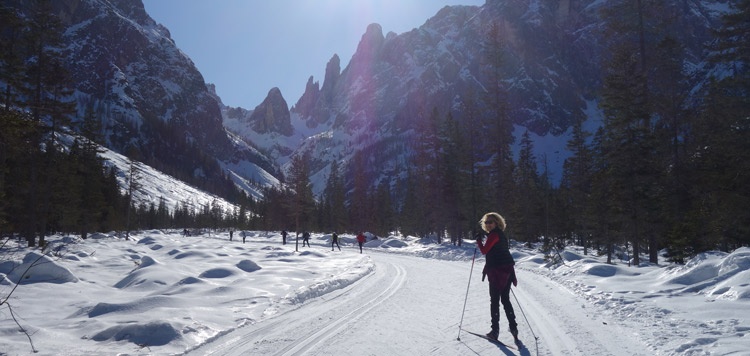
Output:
x=163 y=293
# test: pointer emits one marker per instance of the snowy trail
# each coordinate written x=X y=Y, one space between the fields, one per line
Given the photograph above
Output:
x=309 y=324
x=412 y=305
x=420 y=319
x=339 y=323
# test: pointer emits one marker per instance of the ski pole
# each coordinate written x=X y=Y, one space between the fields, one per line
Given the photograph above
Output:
x=536 y=338
x=524 y=314
x=460 y=324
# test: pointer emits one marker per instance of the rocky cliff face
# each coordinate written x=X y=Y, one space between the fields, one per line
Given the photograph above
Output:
x=149 y=95
x=272 y=115
x=315 y=103
x=122 y=59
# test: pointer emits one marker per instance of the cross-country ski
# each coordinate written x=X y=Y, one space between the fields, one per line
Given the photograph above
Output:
x=495 y=341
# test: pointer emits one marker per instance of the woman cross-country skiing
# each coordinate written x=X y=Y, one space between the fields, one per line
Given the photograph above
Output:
x=499 y=270
x=361 y=240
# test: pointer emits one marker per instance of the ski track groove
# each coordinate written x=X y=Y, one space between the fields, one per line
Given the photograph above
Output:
x=344 y=320
x=273 y=336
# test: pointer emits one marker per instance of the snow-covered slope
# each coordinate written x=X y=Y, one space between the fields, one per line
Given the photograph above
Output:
x=155 y=186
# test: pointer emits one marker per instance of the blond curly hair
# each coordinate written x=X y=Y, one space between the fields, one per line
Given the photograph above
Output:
x=494 y=217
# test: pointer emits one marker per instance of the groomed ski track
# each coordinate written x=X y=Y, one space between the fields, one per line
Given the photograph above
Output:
x=412 y=306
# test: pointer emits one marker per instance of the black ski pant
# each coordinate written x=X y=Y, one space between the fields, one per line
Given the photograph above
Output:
x=498 y=296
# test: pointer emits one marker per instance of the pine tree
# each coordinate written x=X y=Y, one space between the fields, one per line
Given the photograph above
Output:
x=334 y=197
x=577 y=181
x=113 y=217
x=134 y=177
x=49 y=83
x=453 y=176
x=90 y=176
x=431 y=176
x=68 y=198
x=477 y=199
x=528 y=204
x=413 y=207
x=382 y=206
x=634 y=30
x=19 y=147
x=670 y=92
x=358 y=199
x=605 y=209
x=628 y=144
x=12 y=33
x=45 y=84
x=721 y=147
x=500 y=126
x=301 y=204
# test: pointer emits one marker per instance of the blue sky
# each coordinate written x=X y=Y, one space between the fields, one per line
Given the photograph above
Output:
x=247 y=47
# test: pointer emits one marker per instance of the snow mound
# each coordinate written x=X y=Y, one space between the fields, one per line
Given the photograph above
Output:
x=248 y=266
x=189 y=280
x=148 y=273
x=149 y=334
x=571 y=256
x=535 y=260
x=277 y=254
x=138 y=306
x=147 y=241
x=147 y=261
x=394 y=243
x=36 y=268
x=217 y=273
x=601 y=270
x=734 y=272
x=716 y=274
x=739 y=259
x=192 y=254
x=732 y=288
x=312 y=253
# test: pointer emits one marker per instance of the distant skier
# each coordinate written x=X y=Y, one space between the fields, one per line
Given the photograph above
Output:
x=361 y=240
x=335 y=241
x=498 y=268
x=306 y=238
x=283 y=237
